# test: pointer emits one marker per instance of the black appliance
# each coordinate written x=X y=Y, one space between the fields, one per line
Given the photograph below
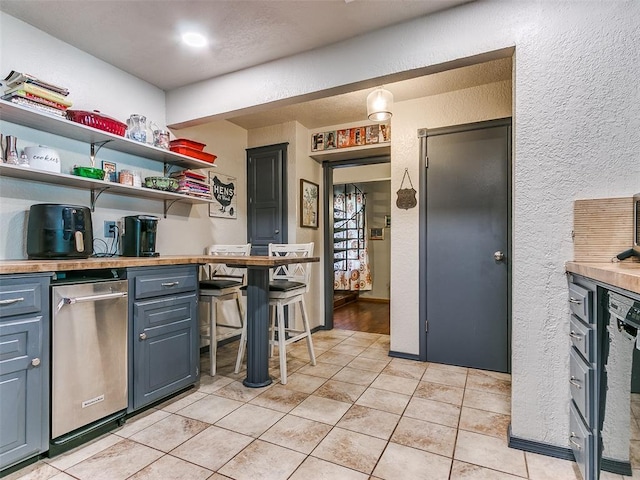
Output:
x=139 y=236
x=57 y=231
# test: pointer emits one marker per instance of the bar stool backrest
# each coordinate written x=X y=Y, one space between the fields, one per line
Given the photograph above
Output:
x=221 y=270
x=295 y=272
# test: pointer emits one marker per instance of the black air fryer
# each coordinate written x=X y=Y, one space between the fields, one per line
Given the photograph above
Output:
x=59 y=231
x=139 y=237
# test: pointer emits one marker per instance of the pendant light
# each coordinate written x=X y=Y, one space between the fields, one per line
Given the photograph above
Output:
x=379 y=104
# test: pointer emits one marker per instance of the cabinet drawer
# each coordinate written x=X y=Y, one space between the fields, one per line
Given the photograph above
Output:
x=580 y=301
x=581 y=381
x=582 y=338
x=20 y=298
x=166 y=282
x=581 y=442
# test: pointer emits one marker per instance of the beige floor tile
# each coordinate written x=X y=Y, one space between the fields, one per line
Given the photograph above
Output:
x=444 y=376
x=335 y=358
x=428 y=436
x=176 y=403
x=117 y=462
x=448 y=368
x=304 y=383
x=395 y=384
x=78 y=454
x=316 y=469
x=297 y=433
x=489 y=452
x=635 y=429
x=487 y=423
x=384 y=400
x=36 y=471
x=369 y=421
x=466 y=471
x=343 y=349
x=354 y=375
x=324 y=370
x=375 y=352
x=488 y=401
x=169 y=432
x=280 y=398
x=350 y=449
x=489 y=382
x=359 y=341
x=209 y=384
x=542 y=467
x=400 y=462
x=321 y=409
x=172 y=468
x=401 y=367
x=634 y=453
x=433 y=411
x=210 y=409
x=212 y=447
x=140 y=422
x=373 y=365
x=61 y=476
x=217 y=476
x=264 y=461
x=237 y=391
x=325 y=343
x=250 y=420
x=488 y=373
x=440 y=392
x=341 y=391
x=613 y=476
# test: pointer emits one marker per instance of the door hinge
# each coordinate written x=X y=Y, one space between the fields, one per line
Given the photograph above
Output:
x=426 y=325
x=426 y=162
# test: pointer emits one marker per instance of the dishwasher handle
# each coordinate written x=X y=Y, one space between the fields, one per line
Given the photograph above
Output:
x=90 y=298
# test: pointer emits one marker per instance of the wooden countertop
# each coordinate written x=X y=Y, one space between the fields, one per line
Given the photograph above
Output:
x=35 y=266
x=624 y=274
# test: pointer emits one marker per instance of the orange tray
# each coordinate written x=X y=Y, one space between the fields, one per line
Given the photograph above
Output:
x=191 y=152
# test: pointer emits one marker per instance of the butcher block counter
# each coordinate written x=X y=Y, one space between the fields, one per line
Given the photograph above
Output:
x=625 y=275
x=34 y=266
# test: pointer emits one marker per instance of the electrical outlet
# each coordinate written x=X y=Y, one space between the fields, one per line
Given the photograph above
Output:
x=109 y=229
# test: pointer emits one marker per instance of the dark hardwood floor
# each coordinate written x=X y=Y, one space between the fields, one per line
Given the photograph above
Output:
x=362 y=316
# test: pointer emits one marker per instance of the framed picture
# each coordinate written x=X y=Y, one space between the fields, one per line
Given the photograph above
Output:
x=387 y=221
x=376 y=233
x=308 y=204
x=223 y=194
x=110 y=171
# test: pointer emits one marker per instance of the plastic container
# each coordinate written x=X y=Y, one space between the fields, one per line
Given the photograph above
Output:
x=190 y=152
x=185 y=142
x=89 y=172
x=43 y=158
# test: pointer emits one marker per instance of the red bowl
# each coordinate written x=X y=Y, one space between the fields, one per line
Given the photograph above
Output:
x=97 y=120
x=185 y=142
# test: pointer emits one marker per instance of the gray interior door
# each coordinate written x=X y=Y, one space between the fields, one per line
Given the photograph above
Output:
x=467 y=231
x=266 y=197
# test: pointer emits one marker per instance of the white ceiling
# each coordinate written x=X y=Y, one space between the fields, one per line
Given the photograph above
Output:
x=141 y=37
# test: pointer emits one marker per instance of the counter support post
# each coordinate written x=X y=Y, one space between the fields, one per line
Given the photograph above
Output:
x=257 y=327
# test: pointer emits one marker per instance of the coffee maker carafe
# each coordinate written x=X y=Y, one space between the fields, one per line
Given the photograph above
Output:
x=139 y=236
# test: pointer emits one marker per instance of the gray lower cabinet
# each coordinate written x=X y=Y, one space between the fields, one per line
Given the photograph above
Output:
x=584 y=376
x=164 y=343
x=24 y=367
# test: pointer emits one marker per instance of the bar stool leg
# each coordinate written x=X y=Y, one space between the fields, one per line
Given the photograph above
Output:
x=213 y=342
x=282 y=350
x=305 y=322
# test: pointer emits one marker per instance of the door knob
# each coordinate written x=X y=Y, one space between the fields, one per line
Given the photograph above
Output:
x=498 y=256
x=143 y=336
x=277 y=232
x=35 y=362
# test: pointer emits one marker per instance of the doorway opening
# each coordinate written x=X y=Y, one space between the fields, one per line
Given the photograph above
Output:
x=357 y=244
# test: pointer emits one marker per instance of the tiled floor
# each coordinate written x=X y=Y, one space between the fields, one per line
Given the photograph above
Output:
x=358 y=414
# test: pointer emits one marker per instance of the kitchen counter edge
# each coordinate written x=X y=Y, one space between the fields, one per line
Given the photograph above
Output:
x=625 y=275
x=37 y=266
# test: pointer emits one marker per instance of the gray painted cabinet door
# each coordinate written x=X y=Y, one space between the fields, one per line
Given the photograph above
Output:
x=266 y=197
x=467 y=225
x=165 y=347
x=20 y=390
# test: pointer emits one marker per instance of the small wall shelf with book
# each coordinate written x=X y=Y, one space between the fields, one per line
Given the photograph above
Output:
x=350 y=141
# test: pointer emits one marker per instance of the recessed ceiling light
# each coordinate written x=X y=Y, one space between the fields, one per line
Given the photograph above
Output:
x=194 y=39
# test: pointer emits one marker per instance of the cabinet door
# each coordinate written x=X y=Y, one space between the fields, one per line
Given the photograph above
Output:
x=20 y=390
x=165 y=347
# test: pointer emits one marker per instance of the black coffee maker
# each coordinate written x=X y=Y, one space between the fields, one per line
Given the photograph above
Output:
x=139 y=236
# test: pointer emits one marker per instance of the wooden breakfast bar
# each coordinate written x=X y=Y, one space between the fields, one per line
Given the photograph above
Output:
x=257 y=292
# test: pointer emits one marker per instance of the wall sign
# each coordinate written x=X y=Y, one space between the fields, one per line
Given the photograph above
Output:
x=351 y=137
x=223 y=194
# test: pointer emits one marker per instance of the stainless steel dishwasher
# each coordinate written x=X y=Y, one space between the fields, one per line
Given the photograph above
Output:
x=88 y=350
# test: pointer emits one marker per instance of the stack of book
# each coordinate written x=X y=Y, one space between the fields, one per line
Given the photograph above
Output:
x=192 y=183
x=29 y=91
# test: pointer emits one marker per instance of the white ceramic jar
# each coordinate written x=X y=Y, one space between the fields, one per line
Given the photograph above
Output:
x=43 y=158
